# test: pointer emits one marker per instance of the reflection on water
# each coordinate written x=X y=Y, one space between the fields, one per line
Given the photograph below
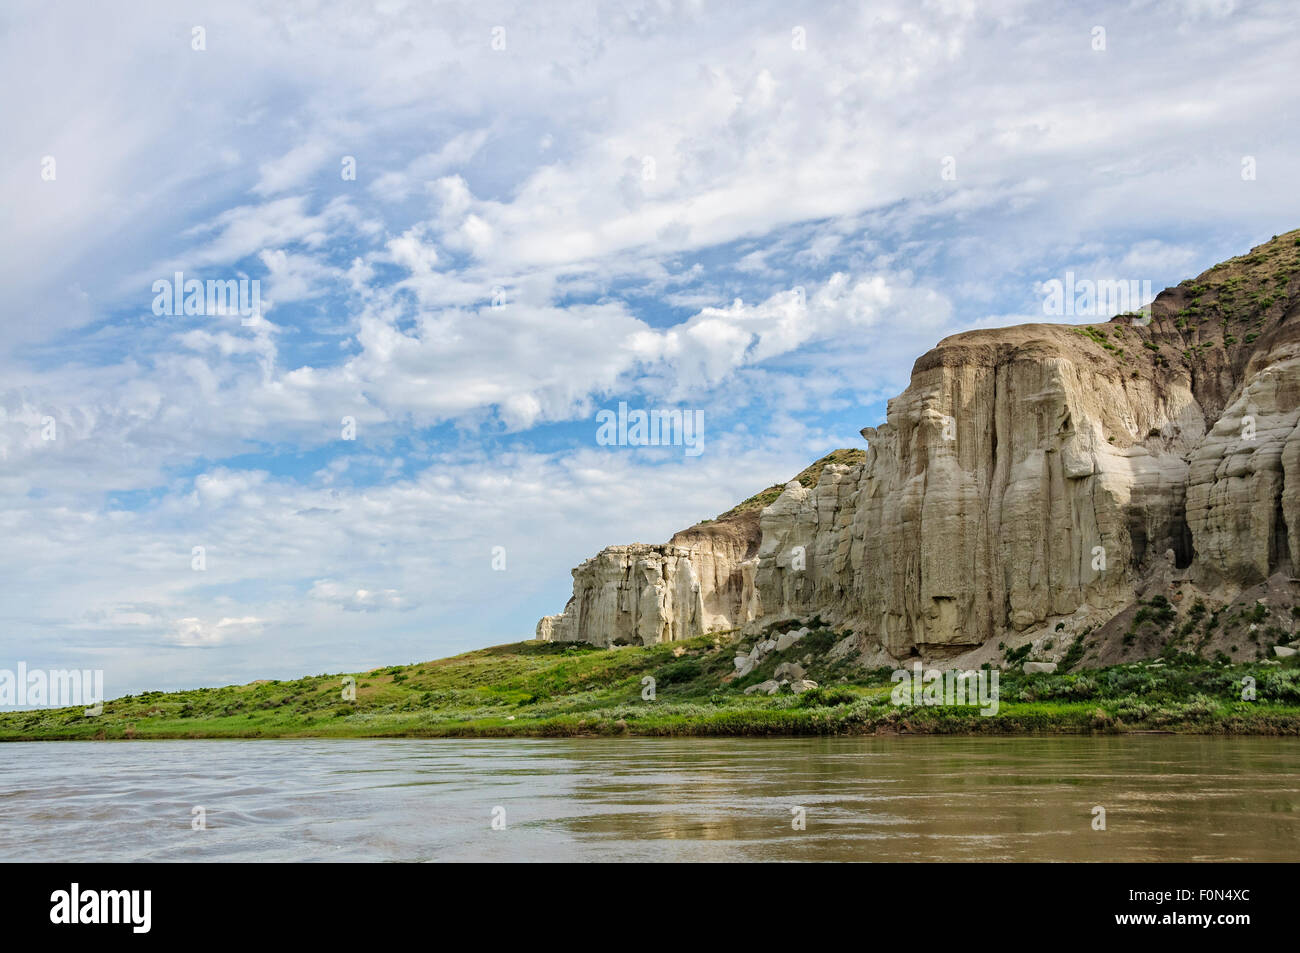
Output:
x=1166 y=798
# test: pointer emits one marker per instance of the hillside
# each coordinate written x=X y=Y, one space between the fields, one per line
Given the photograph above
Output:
x=550 y=689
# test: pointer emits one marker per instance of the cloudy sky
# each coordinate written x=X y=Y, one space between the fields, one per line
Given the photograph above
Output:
x=761 y=211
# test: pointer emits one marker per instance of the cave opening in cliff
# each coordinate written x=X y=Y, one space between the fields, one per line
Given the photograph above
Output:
x=1279 y=544
x=1137 y=532
x=1184 y=551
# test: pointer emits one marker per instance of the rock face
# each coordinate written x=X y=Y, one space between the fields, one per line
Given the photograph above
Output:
x=1010 y=484
x=1243 y=491
x=701 y=581
x=1026 y=475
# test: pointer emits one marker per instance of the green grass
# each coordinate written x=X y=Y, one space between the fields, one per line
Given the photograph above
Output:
x=807 y=477
x=553 y=689
x=1097 y=336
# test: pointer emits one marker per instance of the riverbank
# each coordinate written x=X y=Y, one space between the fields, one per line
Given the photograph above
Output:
x=542 y=689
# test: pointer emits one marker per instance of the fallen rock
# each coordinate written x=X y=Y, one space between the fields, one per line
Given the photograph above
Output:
x=1039 y=668
x=783 y=642
x=792 y=671
x=744 y=666
x=802 y=685
x=1282 y=651
x=767 y=687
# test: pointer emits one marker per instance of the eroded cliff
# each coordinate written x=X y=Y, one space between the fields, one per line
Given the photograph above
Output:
x=1030 y=479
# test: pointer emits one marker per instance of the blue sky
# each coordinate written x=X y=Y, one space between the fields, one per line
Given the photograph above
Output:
x=641 y=186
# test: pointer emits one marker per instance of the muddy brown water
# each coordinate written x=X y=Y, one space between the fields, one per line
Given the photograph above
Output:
x=1166 y=798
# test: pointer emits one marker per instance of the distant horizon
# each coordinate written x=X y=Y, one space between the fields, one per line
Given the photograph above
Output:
x=434 y=250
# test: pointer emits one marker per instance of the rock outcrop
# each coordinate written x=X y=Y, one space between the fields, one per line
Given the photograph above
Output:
x=1026 y=476
x=700 y=581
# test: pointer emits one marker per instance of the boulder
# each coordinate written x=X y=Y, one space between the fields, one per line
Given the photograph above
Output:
x=792 y=671
x=1283 y=651
x=802 y=685
x=1039 y=668
x=768 y=688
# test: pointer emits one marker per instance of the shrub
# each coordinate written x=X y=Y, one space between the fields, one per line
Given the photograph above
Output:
x=1015 y=656
x=825 y=698
x=1073 y=655
x=675 y=673
x=1281 y=686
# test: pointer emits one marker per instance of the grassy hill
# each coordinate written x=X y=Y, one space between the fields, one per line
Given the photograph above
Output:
x=555 y=689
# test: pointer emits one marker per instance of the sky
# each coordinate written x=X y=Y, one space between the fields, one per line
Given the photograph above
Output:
x=475 y=226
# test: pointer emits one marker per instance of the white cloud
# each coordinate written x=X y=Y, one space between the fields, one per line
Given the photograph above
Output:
x=397 y=186
x=526 y=171
x=357 y=600
x=196 y=633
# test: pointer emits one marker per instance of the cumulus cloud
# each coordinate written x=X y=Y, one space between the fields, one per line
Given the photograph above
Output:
x=663 y=203
x=197 y=633
x=357 y=600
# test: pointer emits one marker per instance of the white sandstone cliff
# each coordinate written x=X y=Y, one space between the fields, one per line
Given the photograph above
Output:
x=1026 y=475
x=701 y=581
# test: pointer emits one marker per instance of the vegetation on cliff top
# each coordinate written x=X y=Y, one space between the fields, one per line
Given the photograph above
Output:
x=554 y=689
x=1208 y=326
x=807 y=477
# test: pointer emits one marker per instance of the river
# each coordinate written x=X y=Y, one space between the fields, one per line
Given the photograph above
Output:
x=1166 y=798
